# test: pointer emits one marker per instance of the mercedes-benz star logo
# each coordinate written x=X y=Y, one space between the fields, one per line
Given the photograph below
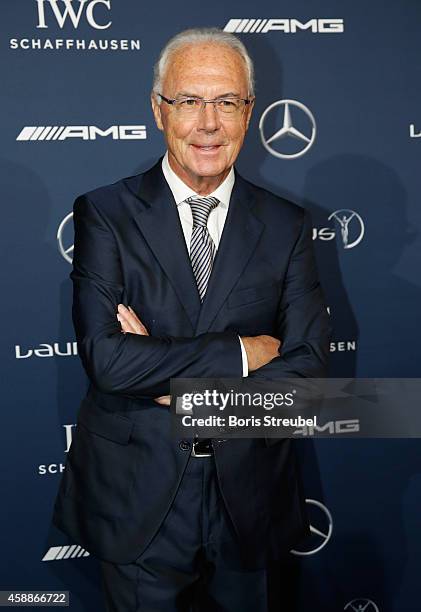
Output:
x=288 y=131
x=344 y=217
x=67 y=253
x=361 y=605
x=322 y=533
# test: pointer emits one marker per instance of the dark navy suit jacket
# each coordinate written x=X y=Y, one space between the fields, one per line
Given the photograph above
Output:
x=124 y=466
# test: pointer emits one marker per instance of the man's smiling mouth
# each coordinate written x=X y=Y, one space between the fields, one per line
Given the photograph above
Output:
x=206 y=147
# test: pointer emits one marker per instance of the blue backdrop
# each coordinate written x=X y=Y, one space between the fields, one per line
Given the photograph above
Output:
x=76 y=77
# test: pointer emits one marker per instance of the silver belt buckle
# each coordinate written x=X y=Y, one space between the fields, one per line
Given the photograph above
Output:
x=195 y=454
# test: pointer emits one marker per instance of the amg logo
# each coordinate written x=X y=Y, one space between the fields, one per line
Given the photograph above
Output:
x=85 y=132
x=74 y=15
x=69 y=551
x=288 y=26
x=330 y=428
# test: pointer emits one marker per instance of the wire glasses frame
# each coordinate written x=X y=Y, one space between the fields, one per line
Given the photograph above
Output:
x=192 y=105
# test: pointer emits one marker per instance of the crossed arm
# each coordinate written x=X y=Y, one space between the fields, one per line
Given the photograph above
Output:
x=136 y=364
x=260 y=349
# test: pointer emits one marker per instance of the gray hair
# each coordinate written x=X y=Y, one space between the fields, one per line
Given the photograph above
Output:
x=197 y=36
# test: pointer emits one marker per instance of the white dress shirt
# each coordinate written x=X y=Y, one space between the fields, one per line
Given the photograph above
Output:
x=216 y=218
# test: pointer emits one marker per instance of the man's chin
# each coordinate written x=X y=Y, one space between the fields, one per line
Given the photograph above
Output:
x=208 y=168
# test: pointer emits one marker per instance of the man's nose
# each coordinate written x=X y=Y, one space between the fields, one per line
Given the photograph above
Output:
x=208 y=118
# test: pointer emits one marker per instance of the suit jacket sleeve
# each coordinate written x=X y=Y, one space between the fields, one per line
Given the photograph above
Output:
x=131 y=364
x=303 y=322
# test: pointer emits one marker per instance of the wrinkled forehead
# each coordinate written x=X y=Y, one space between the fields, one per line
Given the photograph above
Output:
x=205 y=66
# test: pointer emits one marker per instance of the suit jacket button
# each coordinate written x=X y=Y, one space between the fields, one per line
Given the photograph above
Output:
x=184 y=445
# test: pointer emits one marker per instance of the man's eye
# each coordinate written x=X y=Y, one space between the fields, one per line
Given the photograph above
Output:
x=227 y=103
x=188 y=102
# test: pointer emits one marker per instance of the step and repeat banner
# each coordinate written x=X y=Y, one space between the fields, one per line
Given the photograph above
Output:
x=337 y=129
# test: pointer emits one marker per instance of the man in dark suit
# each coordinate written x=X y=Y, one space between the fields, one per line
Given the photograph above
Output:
x=188 y=270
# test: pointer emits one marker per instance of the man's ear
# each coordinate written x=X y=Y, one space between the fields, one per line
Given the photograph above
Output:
x=156 y=108
x=249 y=112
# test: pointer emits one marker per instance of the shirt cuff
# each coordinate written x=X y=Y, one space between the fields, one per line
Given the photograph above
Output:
x=244 y=358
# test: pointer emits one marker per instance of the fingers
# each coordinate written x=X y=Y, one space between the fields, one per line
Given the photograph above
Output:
x=164 y=400
x=130 y=322
x=135 y=315
x=139 y=323
x=261 y=350
x=276 y=344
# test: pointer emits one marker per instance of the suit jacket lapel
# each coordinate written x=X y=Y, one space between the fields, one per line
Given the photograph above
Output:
x=158 y=221
x=157 y=218
x=238 y=241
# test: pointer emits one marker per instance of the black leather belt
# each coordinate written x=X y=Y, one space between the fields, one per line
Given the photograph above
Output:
x=202 y=447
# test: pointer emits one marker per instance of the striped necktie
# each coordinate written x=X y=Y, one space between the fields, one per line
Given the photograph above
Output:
x=202 y=247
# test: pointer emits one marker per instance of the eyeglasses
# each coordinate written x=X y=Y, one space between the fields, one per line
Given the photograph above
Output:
x=192 y=105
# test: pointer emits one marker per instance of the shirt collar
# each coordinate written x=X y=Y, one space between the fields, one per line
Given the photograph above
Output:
x=181 y=191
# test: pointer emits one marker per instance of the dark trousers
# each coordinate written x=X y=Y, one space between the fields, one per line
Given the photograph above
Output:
x=191 y=564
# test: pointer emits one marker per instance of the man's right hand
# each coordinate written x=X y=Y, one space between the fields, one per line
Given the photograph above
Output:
x=131 y=324
x=260 y=350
